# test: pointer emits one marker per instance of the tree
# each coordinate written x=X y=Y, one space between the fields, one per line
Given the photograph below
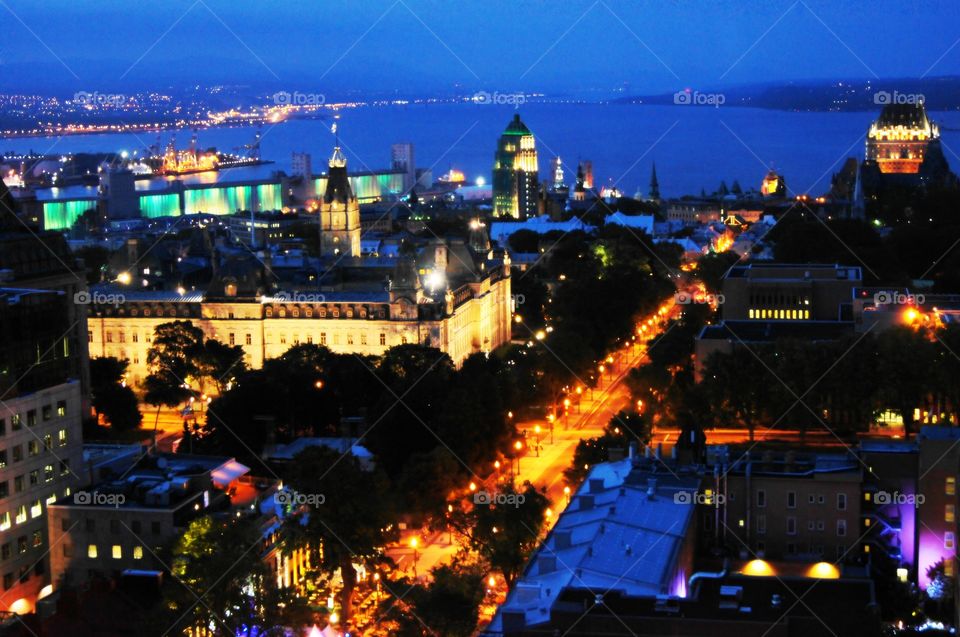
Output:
x=506 y=530
x=349 y=515
x=450 y=605
x=110 y=397
x=625 y=428
x=172 y=361
x=222 y=364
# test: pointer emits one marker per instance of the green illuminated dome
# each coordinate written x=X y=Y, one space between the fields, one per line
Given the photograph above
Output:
x=516 y=127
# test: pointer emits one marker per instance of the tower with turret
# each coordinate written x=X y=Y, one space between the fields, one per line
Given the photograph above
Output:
x=339 y=212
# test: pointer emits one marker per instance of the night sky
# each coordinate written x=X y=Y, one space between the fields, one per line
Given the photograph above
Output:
x=582 y=47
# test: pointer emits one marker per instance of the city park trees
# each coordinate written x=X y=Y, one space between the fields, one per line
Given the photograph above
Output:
x=110 y=397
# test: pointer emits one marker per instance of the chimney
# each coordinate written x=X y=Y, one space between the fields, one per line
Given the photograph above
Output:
x=562 y=539
x=586 y=502
x=596 y=485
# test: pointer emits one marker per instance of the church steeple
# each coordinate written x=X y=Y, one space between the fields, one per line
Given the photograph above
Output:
x=654 y=184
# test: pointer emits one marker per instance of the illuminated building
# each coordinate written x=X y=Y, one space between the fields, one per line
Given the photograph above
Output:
x=339 y=212
x=141 y=501
x=773 y=185
x=786 y=505
x=788 y=292
x=899 y=138
x=42 y=384
x=516 y=173
x=558 y=181
x=448 y=294
x=587 y=174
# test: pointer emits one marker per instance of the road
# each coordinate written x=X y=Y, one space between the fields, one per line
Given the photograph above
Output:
x=585 y=419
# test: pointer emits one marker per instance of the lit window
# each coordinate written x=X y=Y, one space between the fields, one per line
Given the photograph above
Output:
x=138 y=552
x=4 y=521
x=117 y=552
x=21 y=514
x=951 y=485
x=949 y=540
x=36 y=509
x=949 y=513
x=841 y=528
x=92 y=551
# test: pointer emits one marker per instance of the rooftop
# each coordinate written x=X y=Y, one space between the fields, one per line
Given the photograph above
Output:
x=623 y=529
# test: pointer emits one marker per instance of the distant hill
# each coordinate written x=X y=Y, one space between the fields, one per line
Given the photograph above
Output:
x=939 y=94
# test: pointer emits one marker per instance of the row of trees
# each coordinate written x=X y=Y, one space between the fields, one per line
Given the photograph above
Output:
x=792 y=384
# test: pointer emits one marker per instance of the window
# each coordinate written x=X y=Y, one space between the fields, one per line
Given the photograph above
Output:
x=810 y=525
x=383 y=339
x=761 y=498
x=135 y=338
x=92 y=551
x=791 y=525
x=949 y=513
x=36 y=509
x=7 y=581
x=32 y=418
x=37 y=538
x=109 y=337
x=138 y=552
x=47 y=442
x=811 y=499
x=5 y=551
x=62 y=437
x=116 y=552
x=249 y=339
x=323 y=338
x=950 y=488
x=949 y=540
x=64 y=467
x=363 y=338
x=791 y=499
x=761 y=524
x=820 y=525
x=67 y=549
x=21 y=514
x=841 y=502
x=17 y=453
x=18 y=484
x=349 y=339
x=4 y=521
x=841 y=528
x=34 y=477
x=61 y=408
x=3 y=458
x=33 y=448
x=47 y=412
x=15 y=423
x=48 y=473
x=233 y=339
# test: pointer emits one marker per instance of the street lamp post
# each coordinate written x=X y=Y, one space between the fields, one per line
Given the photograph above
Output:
x=414 y=542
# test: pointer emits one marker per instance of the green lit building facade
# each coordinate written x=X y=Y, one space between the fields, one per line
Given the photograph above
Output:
x=516 y=173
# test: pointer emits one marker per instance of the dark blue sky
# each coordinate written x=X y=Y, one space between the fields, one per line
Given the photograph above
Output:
x=416 y=46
